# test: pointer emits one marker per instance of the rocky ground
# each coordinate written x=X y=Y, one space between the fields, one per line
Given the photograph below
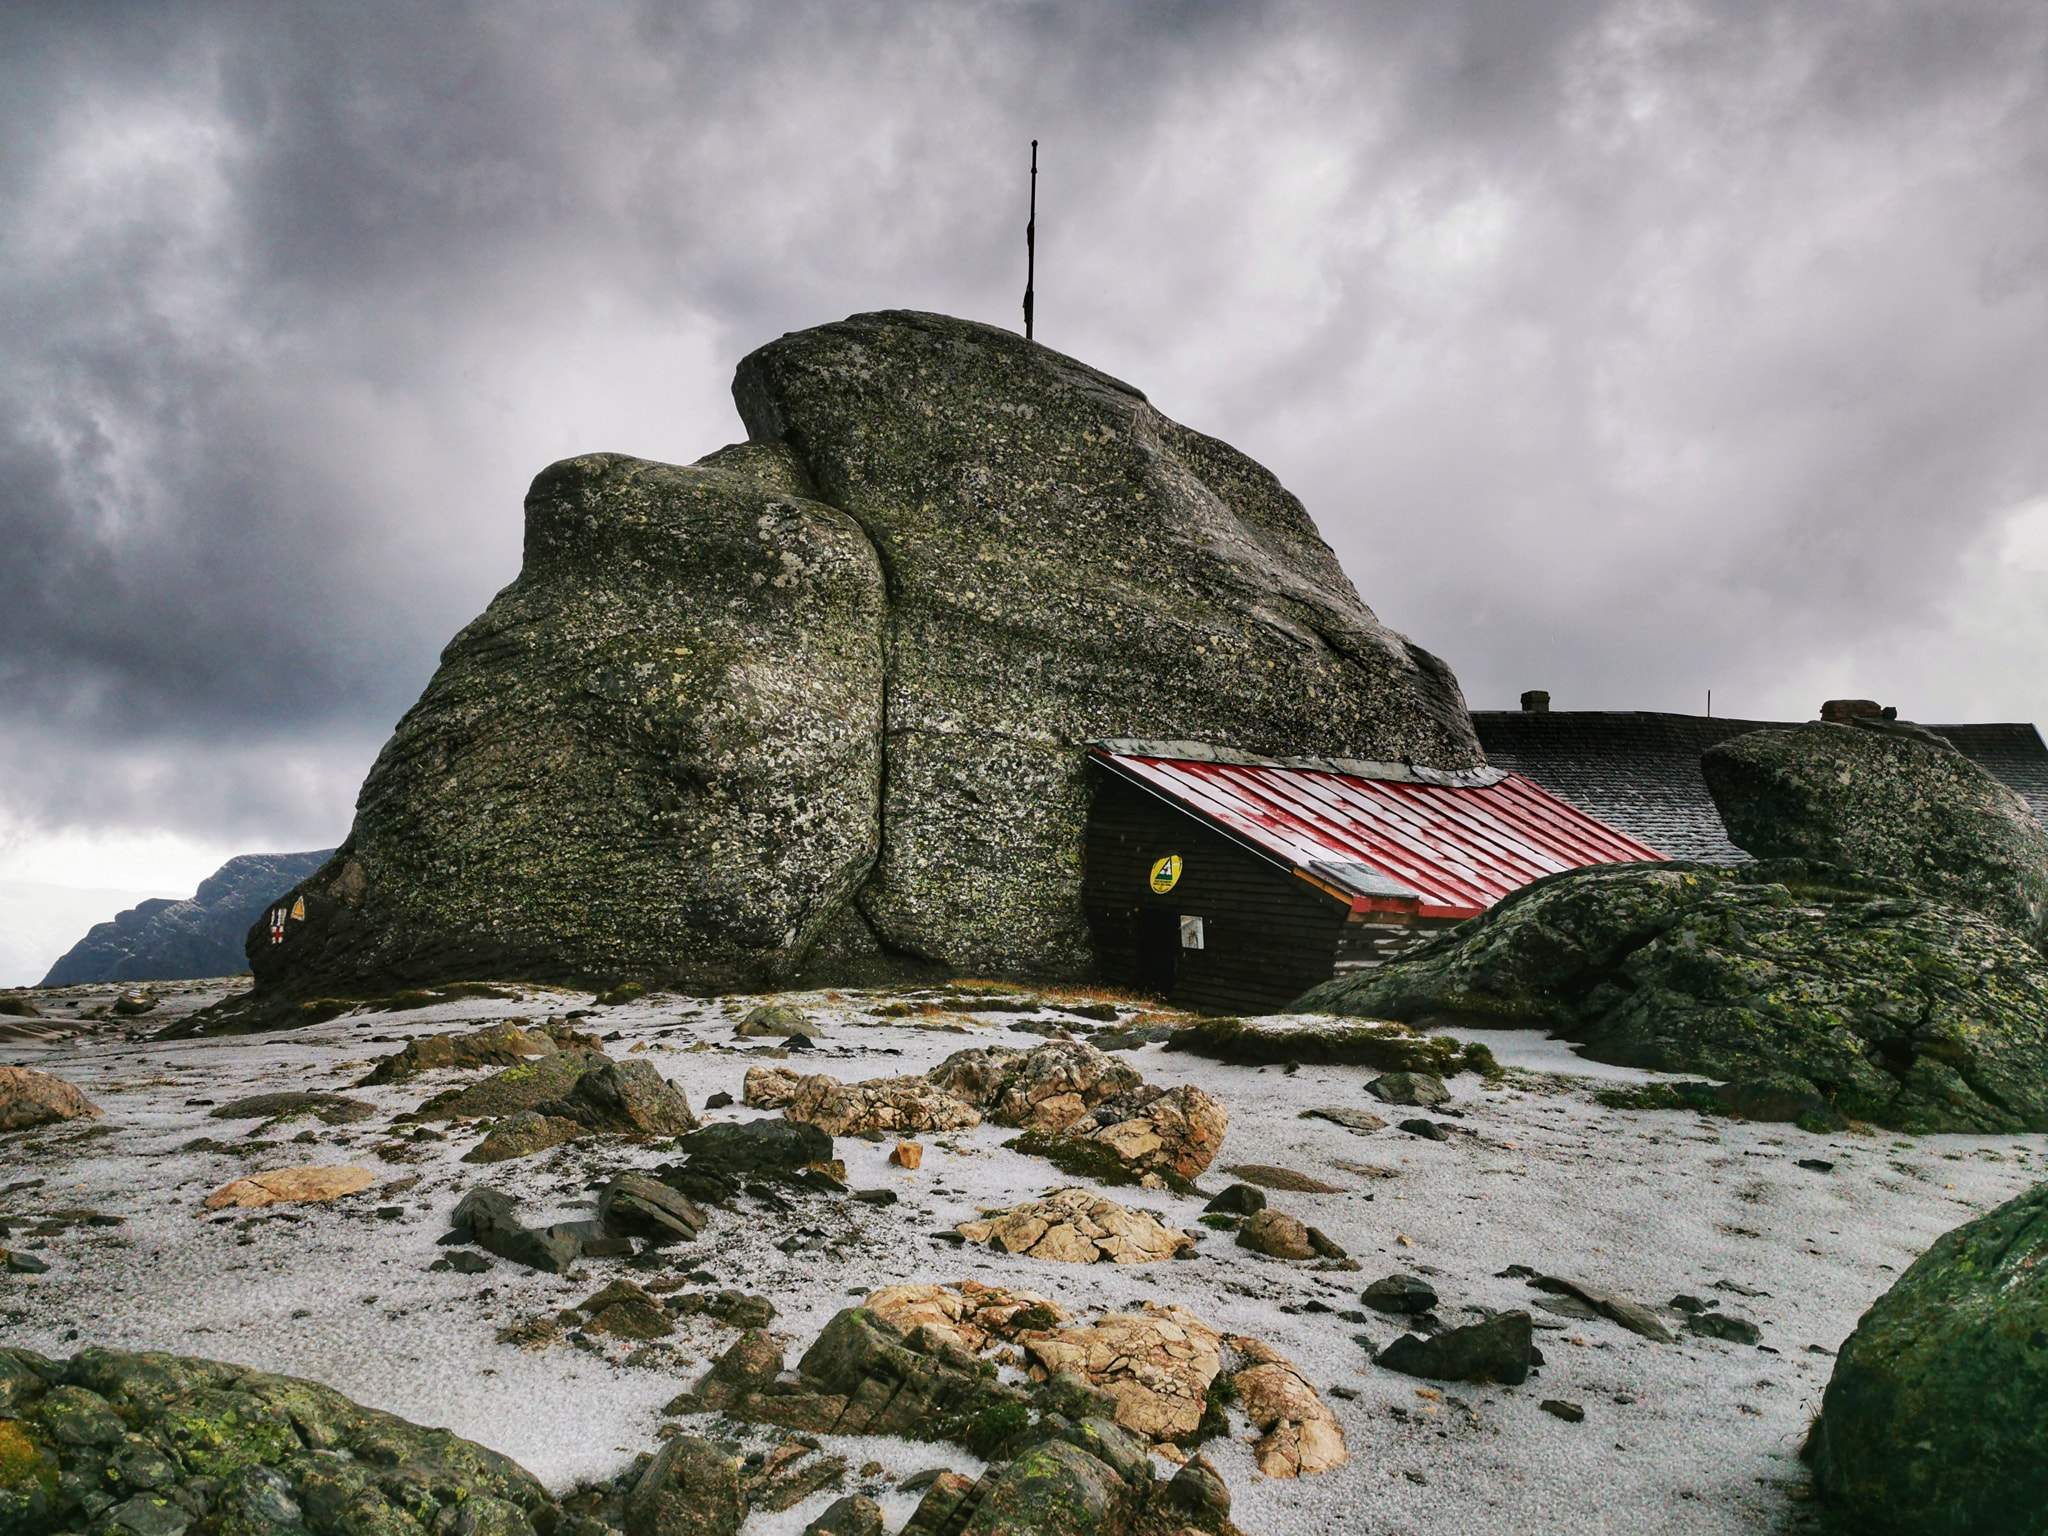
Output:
x=1528 y=1177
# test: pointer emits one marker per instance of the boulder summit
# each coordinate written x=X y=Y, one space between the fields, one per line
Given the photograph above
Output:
x=818 y=702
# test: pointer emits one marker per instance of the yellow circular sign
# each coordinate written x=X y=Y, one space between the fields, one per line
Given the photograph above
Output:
x=1166 y=874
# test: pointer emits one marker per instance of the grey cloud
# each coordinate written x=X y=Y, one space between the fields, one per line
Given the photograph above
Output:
x=1620 y=348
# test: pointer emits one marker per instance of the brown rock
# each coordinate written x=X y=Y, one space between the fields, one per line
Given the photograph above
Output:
x=1277 y=1235
x=1156 y=1365
x=1078 y=1226
x=1301 y=1435
x=285 y=1185
x=30 y=1098
x=908 y=1154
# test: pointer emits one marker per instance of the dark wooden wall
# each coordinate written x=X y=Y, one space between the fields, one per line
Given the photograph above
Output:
x=1268 y=935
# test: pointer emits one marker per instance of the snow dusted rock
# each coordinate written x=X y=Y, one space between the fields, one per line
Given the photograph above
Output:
x=1155 y=1364
x=1078 y=1226
x=31 y=1098
x=1301 y=1436
x=1046 y=1088
x=1179 y=1131
x=969 y=1315
x=889 y=1105
x=158 y=1444
x=284 y=1185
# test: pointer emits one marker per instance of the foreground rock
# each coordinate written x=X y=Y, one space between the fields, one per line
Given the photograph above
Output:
x=162 y=1445
x=286 y=1186
x=1813 y=994
x=662 y=752
x=163 y=939
x=1932 y=1421
x=1078 y=1226
x=29 y=1098
x=655 y=755
x=1893 y=802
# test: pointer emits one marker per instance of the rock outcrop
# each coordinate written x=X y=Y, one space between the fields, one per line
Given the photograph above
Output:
x=1932 y=1421
x=823 y=698
x=657 y=754
x=1810 y=993
x=159 y=1445
x=1077 y=1226
x=1890 y=801
x=29 y=1098
x=163 y=939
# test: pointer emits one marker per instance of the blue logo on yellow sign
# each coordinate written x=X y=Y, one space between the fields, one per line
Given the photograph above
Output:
x=1166 y=874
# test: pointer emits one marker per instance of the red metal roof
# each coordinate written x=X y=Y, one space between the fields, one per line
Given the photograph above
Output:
x=1442 y=850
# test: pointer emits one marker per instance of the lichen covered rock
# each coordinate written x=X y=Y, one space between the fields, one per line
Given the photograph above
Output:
x=1807 y=990
x=656 y=754
x=1933 y=1420
x=142 y=1443
x=1065 y=564
x=1890 y=801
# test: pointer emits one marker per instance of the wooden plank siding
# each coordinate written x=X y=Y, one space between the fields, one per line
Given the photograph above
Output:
x=1268 y=936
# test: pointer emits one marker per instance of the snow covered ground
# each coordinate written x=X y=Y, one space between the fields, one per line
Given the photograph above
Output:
x=1697 y=1436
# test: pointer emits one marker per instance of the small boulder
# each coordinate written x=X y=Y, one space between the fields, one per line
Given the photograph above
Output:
x=1300 y=1436
x=286 y=1185
x=639 y=1205
x=625 y=1098
x=1498 y=1349
x=1400 y=1294
x=854 y=1515
x=1276 y=1235
x=1077 y=1226
x=522 y=1135
x=490 y=1219
x=908 y=1154
x=776 y=1019
x=1238 y=1200
x=327 y=1108
x=691 y=1488
x=502 y=1044
x=1415 y=1090
x=30 y=1098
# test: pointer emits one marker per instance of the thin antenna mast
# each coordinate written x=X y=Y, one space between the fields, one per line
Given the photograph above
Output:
x=1031 y=242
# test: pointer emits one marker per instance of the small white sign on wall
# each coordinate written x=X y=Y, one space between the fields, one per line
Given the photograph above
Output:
x=1190 y=932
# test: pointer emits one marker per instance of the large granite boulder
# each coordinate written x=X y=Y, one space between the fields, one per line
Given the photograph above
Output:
x=656 y=754
x=1885 y=799
x=1933 y=1421
x=822 y=700
x=1066 y=564
x=1808 y=991
x=201 y=935
x=162 y=1445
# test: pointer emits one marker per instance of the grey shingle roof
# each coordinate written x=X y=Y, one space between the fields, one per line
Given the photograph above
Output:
x=1640 y=772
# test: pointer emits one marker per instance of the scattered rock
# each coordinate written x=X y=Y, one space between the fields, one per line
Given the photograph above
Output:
x=522 y=1135
x=1156 y=1364
x=1632 y=1315
x=773 y=1019
x=1047 y=1088
x=1415 y=1090
x=1400 y=1294
x=1364 y=1122
x=1499 y=1348
x=887 y=1105
x=1724 y=1325
x=854 y=1515
x=1300 y=1435
x=284 y=1185
x=30 y=1098
x=502 y=1044
x=327 y=1108
x=490 y=1219
x=1428 y=1130
x=639 y=1205
x=1238 y=1200
x=1276 y=1235
x=1266 y=1176
x=1558 y=1408
x=908 y=1154
x=1932 y=1419
x=690 y=1488
x=625 y=1098
x=623 y=1310
x=524 y=1085
x=1078 y=1226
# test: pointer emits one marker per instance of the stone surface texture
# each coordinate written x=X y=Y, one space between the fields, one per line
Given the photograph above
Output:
x=1078 y=1226
x=823 y=698
x=1804 y=988
x=1932 y=1422
x=1899 y=804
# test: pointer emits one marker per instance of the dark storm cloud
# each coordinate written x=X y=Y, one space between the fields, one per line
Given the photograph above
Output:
x=1627 y=349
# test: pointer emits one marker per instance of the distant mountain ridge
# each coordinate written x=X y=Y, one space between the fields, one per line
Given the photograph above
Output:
x=167 y=939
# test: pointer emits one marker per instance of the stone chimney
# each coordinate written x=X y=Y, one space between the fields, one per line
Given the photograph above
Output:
x=1536 y=702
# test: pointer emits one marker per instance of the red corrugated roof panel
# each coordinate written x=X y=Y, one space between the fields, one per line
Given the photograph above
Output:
x=1444 y=850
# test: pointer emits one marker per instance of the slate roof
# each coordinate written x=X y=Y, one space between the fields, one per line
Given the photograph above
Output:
x=1640 y=772
x=1385 y=837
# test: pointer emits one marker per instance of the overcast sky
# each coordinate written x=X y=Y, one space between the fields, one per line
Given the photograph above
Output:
x=1624 y=349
